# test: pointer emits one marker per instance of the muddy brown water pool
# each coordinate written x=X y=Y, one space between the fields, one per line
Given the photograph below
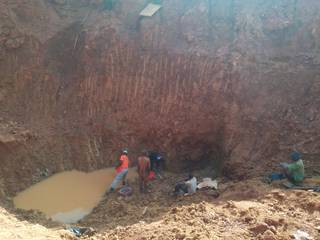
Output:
x=68 y=196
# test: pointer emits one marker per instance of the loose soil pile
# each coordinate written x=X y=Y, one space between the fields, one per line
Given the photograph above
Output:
x=244 y=210
x=14 y=228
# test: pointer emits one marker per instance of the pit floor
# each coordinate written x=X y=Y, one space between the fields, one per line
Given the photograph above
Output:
x=247 y=209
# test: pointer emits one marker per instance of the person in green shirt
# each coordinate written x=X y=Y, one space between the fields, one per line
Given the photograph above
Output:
x=294 y=171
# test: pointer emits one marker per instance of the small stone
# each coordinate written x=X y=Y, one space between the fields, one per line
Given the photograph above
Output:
x=268 y=235
x=180 y=236
x=259 y=228
x=14 y=43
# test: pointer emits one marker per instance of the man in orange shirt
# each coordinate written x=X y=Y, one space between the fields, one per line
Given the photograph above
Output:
x=122 y=168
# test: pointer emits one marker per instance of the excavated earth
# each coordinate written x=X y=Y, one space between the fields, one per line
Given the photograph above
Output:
x=230 y=85
x=244 y=210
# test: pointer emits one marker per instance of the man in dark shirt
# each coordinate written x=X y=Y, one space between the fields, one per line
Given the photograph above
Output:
x=156 y=162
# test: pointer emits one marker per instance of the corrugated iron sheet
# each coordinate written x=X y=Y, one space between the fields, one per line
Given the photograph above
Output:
x=150 y=10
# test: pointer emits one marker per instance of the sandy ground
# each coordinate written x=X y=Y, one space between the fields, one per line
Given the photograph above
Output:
x=12 y=228
x=249 y=209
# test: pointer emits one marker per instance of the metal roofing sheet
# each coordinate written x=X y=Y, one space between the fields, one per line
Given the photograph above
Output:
x=150 y=10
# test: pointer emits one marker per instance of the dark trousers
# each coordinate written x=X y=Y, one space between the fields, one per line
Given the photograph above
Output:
x=181 y=188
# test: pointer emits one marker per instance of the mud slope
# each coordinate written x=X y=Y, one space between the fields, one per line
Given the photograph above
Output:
x=232 y=82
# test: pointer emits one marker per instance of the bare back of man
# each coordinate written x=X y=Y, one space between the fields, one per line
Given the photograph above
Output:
x=143 y=171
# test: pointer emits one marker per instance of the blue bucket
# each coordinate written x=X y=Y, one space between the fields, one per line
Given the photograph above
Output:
x=125 y=191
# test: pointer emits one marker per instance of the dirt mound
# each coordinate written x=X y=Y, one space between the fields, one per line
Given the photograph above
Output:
x=13 y=229
x=266 y=213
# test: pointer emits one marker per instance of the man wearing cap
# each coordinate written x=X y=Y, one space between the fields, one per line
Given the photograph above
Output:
x=294 y=171
x=122 y=167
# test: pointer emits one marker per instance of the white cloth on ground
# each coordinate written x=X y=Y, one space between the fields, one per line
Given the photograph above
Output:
x=208 y=182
